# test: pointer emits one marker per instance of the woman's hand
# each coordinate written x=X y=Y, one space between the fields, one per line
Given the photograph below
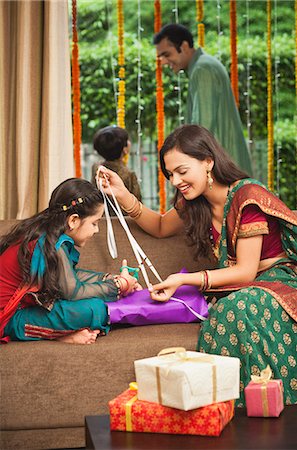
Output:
x=128 y=282
x=163 y=291
x=112 y=181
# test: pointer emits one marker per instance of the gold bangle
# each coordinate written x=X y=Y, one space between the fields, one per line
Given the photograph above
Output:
x=209 y=279
x=202 y=287
x=130 y=210
x=138 y=213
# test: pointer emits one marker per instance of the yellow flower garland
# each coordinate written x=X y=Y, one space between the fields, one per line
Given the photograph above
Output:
x=270 y=150
x=200 y=25
x=76 y=94
x=121 y=63
x=160 y=109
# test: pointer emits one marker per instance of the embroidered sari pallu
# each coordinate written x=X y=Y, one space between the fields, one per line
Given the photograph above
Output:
x=257 y=321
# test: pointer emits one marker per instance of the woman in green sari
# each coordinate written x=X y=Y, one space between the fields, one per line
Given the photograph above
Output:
x=249 y=235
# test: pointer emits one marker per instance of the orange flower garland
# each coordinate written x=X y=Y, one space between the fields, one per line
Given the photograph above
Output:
x=200 y=25
x=76 y=94
x=233 y=44
x=160 y=109
x=270 y=162
x=121 y=63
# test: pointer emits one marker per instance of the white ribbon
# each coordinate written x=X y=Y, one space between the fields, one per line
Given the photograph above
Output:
x=138 y=252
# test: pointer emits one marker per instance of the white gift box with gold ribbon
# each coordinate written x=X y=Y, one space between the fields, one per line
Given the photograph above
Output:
x=187 y=380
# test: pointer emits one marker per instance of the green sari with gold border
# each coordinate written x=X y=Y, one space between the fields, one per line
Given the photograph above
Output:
x=256 y=322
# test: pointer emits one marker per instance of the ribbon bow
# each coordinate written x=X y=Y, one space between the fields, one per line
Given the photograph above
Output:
x=180 y=355
x=265 y=376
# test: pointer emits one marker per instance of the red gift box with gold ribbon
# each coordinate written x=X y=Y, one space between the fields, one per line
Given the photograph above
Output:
x=264 y=396
x=127 y=413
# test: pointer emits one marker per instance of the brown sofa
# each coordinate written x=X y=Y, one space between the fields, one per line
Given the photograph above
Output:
x=47 y=388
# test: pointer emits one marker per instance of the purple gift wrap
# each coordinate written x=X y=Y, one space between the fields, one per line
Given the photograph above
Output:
x=139 y=309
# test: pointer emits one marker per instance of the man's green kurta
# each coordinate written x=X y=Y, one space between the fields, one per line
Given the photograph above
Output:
x=211 y=103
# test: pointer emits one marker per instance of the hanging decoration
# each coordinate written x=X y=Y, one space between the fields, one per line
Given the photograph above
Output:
x=178 y=87
x=139 y=97
x=199 y=20
x=277 y=101
x=112 y=60
x=219 y=53
x=233 y=44
x=270 y=162
x=160 y=108
x=121 y=63
x=248 y=79
x=76 y=94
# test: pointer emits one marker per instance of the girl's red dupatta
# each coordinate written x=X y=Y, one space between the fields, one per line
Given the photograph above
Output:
x=10 y=308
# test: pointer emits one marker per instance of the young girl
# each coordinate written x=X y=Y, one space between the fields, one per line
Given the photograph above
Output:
x=249 y=234
x=42 y=293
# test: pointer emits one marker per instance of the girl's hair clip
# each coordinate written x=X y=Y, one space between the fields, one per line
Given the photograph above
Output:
x=73 y=203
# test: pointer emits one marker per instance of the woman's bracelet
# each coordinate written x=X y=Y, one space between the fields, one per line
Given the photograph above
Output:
x=205 y=280
x=208 y=279
x=138 y=213
x=135 y=209
x=202 y=287
x=131 y=208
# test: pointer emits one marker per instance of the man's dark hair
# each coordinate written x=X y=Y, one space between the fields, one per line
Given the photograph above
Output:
x=176 y=34
x=110 y=141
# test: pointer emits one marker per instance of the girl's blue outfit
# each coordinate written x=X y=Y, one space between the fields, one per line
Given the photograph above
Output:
x=82 y=305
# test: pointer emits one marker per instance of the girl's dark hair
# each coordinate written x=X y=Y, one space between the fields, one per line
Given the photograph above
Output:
x=197 y=142
x=52 y=222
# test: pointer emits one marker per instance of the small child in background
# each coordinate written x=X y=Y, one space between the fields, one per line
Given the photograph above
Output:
x=43 y=295
x=112 y=143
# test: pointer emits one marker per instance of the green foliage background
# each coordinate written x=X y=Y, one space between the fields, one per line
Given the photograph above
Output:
x=97 y=23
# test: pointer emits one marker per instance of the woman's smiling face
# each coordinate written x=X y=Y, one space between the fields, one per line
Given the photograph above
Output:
x=187 y=174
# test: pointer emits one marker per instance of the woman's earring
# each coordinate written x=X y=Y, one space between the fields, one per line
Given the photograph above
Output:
x=209 y=178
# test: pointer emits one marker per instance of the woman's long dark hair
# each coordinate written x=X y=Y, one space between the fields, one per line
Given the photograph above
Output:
x=197 y=142
x=52 y=222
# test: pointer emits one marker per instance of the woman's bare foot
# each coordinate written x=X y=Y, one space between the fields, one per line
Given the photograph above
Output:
x=84 y=336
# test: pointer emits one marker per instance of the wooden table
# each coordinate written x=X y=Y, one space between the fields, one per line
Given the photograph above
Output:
x=242 y=433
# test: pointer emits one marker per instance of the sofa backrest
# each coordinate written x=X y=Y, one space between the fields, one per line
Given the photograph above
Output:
x=168 y=255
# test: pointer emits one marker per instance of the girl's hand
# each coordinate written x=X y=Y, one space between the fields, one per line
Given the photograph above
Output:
x=163 y=291
x=112 y=180
x=129 y=283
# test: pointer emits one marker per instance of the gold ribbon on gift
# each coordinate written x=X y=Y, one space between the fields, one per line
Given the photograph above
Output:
x=181 y=353
x=128 y=406
x=263 y=379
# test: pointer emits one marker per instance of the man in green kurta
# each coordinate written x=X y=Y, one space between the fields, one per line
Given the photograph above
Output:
x=210 y=100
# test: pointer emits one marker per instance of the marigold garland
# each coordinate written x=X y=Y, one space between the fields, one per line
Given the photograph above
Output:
x=270 y=155
x=121 y=63
x=233 y=45
x=160 y=108
x=76 y=94
x=200 y=25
